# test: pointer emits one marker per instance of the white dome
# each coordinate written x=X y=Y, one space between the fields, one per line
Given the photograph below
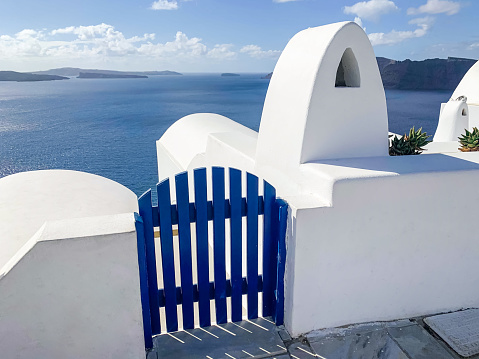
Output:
x=469 y=86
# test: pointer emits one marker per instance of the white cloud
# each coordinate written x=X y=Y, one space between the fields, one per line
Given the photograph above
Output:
x=372 y=9
x=102 y=42
x=394 y=37
x=182 y=46
x=256 y=52
x=164 y=5
x=222 y=52
x=436 y=7
x=104 y=46
x=282 y=1
x=358 y=21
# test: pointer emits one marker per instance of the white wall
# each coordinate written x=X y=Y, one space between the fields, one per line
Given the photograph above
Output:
x=29 y=199
x=73 y=292
x=69 y=278
x=395 y=243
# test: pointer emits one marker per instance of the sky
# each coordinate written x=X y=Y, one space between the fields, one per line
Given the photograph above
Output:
x=219 y=35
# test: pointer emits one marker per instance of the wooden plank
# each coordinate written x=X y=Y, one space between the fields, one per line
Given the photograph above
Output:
x=270 y=245
x=167 y=254
x=184 y=234
x=145 y=210
x=236 y=245
x=201 y=202
x=145 y=300
x=282 y=211
x=218 y=176
x=211 y=292
x=252 y=244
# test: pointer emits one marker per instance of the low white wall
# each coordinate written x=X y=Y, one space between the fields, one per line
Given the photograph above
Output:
x=29 y=199
x=73 y=292
x=397 y=242
x=69 y=278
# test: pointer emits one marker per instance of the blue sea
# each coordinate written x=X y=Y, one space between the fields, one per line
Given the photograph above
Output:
x=109 y=126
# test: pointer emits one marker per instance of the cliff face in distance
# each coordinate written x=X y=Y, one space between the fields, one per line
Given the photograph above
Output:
x=431 y=74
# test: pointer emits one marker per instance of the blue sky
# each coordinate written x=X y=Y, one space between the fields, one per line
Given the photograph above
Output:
x=219 y=35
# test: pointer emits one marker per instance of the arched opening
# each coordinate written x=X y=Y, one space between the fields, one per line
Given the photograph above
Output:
x=347 y=74
x=464 y=112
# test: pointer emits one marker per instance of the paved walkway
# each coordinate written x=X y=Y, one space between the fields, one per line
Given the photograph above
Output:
x=260 y=338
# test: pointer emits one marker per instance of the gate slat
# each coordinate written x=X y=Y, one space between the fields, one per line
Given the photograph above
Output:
x=270 y=246
x=236 y=245
x=201 y=200
x=184 y=234
x=218 y=175
x=146 y=213
x=282 y=216
x=167 y=254
x=252 y=244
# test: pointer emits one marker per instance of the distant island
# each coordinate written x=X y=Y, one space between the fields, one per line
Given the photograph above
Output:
x=97 y=75
x=27 y=77
x=227 y=74
x=75 y=72
x=161 y=73
x=430 y=74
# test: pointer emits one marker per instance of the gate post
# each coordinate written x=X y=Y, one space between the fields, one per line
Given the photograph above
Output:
x=145 y=300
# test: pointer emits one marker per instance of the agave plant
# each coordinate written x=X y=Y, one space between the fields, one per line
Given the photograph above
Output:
x=400 y=147
x=409 y=144
x=470 y=141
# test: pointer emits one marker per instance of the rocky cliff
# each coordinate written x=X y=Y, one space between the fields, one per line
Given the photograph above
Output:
x=431 y=74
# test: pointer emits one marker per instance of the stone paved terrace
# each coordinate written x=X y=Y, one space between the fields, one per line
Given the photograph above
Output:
x=260 y=338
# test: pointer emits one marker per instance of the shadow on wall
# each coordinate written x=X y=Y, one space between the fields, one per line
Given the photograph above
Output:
x=402 y=165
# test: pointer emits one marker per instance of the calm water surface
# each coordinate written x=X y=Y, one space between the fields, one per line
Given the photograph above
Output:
x=109 y=126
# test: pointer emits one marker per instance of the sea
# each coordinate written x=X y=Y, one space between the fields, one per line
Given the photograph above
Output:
x=109 y=127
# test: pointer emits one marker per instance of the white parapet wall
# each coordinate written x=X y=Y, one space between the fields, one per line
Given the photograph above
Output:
x=394 y=244
x=69 y=277
x=370 y=237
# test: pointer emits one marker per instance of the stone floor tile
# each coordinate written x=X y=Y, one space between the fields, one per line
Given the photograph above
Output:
x=299 y=350
x=417 y=343
x=365 y=345
x=241 y=340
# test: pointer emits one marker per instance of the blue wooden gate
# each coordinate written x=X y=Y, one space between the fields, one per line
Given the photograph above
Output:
x=228 y=280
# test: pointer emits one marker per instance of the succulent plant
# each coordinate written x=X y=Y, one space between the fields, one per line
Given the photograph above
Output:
x=469 y=141
x=400 y=147
x=417 y=139
x=409 y=144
